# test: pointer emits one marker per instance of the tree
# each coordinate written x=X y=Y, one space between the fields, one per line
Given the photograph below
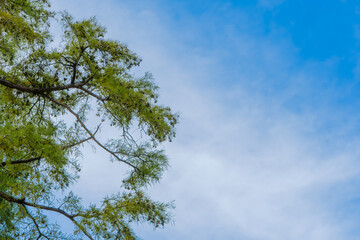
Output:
x=86 y=76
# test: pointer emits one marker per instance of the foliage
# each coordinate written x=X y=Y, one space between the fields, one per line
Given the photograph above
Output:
x=40 y=86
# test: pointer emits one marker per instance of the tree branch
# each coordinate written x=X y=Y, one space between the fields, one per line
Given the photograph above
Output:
x=88 y=131
x=10 y=198
x=35 y=90
x=75 y=64
x=92 y=94
x=77 y=143
x=2 y=164
x=82 y=141
x=36 y=225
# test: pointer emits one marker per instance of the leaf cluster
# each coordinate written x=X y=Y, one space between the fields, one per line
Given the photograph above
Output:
x=86 y=78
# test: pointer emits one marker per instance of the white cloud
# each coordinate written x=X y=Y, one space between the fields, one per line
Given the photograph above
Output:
x=256 y=178
x=243 y=165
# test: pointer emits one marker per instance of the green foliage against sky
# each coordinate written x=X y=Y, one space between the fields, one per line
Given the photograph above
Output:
x=40 y=86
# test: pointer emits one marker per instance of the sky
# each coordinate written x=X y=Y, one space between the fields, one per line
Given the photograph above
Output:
x=268 y=92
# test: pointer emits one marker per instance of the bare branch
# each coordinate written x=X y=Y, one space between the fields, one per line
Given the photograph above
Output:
x=77 y=143
x=82 y=141
x=92 y=94
x=2 y=164
x=31 y=108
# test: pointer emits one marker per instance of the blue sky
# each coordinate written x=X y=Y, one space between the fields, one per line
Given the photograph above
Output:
x=268 y=92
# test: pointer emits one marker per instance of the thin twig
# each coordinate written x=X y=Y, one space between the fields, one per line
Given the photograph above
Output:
x=37 y=226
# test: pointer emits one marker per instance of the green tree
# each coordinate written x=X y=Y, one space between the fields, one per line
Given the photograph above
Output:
x=86 y=76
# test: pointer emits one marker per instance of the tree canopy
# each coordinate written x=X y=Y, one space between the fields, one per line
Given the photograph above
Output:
x=53 y=99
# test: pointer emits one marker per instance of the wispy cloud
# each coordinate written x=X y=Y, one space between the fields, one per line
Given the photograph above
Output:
x=252 y=159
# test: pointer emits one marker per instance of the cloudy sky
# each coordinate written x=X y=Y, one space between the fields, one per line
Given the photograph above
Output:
x=269 y=96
